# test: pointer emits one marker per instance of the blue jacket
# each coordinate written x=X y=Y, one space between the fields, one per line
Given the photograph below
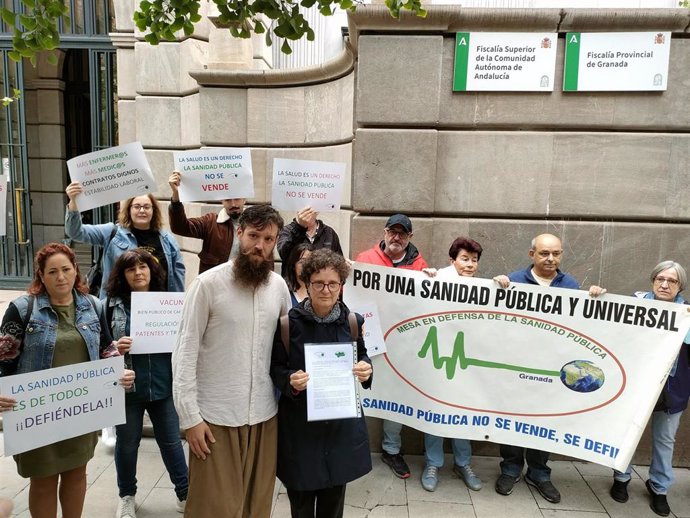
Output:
x=153 y=371
x=674 y=396
x=33 y=351
x=562 y=280
x=122 y=241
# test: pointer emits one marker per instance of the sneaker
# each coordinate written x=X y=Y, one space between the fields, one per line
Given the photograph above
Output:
x=546 y=489
x=397 y=464
x=108 y=437
x=125 y=508
x=430 y=478
x=505 y=484
x=181 y=504
x=619 y=491
x=659 y=504
x=468 y=477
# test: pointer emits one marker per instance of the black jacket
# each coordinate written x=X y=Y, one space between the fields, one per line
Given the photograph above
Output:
x=293 y=234
x=318 y=454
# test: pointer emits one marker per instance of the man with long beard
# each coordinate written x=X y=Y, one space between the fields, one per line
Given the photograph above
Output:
x=221 y=384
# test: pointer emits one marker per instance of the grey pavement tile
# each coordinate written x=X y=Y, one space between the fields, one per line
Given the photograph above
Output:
x=439 y=510
x=590 y=469
x=378 y=487
x=576 y=494
x=489 y=504
x=158 y=503
x=390 y=511
x=636 y=507
x=559 y=513
x=679 y=494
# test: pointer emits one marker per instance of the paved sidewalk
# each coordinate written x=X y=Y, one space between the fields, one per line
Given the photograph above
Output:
x=381 y=495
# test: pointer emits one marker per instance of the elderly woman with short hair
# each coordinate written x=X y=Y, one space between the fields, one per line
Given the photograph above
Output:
x=317 y=459
x=668 y=281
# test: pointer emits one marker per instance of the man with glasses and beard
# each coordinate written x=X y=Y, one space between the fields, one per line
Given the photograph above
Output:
x=221 y=383
x=395 y=250
x=216 y=231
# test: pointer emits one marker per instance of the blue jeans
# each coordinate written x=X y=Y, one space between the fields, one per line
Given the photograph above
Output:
x=166 y=429
x=514 y=459
x=391 y=437
x=433 y=451
x=664 y=428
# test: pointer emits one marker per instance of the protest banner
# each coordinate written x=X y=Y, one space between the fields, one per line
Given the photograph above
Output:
x=298 y=183
x=4 y=179
x=56 y=404
x=111 y=175
x=215 y=174
x=544 y=368
x=155 y=319
x=504 y=61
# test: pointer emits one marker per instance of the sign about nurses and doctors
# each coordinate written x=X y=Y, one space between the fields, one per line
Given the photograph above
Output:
x=111 y=175
x=619 y=61
x=298 y=183
x=56 y=404
x=215 y=174
x=504 y=61
x=544 y=368
x=155 y=320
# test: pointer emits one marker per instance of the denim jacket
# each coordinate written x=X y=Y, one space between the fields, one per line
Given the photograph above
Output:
x=22 y=352
x=153 y=371
x=122 y=241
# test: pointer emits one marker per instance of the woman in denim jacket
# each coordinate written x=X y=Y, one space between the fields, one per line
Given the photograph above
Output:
x=66 y=325
x=138 y=270
x=139 y=225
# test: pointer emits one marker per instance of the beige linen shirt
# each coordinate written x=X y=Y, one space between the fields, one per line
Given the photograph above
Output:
x=223 y=354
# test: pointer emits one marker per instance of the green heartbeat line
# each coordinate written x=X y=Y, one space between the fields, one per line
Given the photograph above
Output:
x=458 y=357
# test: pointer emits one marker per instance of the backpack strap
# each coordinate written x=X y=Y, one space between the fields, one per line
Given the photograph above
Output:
x=354 y=328
x=285 y=333
x=108 y=312
x=101 y=250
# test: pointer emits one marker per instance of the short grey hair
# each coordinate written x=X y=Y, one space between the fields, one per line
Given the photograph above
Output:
x=666 y=265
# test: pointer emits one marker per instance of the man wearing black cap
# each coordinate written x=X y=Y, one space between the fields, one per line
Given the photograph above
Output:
x=395 y=250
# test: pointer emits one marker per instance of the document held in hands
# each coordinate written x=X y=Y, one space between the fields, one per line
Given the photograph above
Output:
x=332 y=391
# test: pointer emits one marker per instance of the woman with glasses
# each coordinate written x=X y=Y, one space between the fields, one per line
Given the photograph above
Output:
x=317 y=459
x=668 y=280
x=293 y=271
x=140 y=225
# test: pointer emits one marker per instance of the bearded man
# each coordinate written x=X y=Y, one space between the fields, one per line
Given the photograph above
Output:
x=221 y=383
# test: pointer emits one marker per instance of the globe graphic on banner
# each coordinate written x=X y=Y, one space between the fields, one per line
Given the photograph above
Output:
x=582 y=376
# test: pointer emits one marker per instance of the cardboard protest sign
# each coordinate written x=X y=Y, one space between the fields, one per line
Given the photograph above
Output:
x=111 y=175
x=298 y=183
x=215 y=174
x=155 y=319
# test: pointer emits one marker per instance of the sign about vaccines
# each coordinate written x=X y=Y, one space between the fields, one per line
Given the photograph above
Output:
x=155 y=319
x=56 y=404
x=298 y=183
x=544 y=368
x=111 y=175
x=504 y=61
x=4 y=179
x=215 y=174
x=616 y=62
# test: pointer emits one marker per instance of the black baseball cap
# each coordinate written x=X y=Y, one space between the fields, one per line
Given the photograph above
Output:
x=400 y=219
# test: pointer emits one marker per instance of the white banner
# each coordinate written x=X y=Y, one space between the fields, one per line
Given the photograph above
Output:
x=4 y=186
x=111 y=175
x=545 y=368
x=56 y=404
x=215 y=174
x=155 y=319
x=298 y=183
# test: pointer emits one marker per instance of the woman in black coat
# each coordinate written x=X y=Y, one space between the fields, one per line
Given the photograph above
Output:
x=317 y=459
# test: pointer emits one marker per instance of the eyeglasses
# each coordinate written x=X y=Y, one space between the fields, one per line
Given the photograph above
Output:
x=661 y=280
x=399 y=233
x=138 y=208
x=331 y=286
